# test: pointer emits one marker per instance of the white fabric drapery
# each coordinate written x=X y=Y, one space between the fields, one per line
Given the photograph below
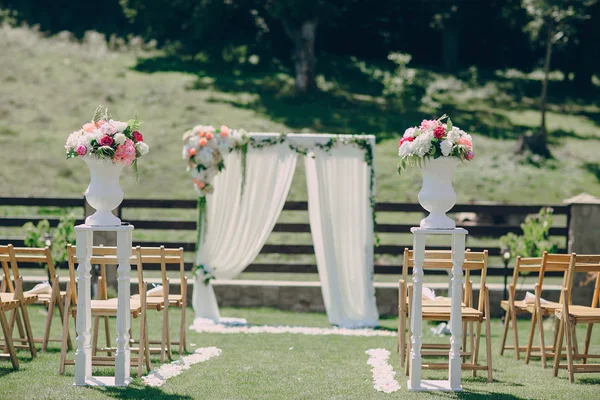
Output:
x=339 y=185
x=238 y=226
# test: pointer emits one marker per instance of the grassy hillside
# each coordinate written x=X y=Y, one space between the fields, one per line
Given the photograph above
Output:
x=51 y=85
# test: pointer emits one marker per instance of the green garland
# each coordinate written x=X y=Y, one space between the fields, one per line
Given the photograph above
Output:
x=201 y=234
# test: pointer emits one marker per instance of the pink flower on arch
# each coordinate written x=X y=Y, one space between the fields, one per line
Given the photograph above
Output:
x=125 y=153
x=209 y=135
x=224 y=131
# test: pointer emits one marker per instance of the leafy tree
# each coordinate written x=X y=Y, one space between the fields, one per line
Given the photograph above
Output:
x=553 y=23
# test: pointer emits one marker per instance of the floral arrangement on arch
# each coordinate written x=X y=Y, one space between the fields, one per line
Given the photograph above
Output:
x=433 y=139
x=204 y=149
x=103 y=137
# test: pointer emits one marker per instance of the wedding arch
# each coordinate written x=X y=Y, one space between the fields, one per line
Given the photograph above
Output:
x=248 y=195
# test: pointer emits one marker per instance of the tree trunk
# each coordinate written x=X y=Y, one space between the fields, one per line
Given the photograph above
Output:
x=450 y=44
x=303 y=37
x=544 y=95
x=538 y=144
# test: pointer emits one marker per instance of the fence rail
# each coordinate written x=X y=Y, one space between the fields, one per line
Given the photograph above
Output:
x=486 y=230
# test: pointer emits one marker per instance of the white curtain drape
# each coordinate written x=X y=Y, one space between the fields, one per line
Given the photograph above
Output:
x=341 y=223
x=239 y=225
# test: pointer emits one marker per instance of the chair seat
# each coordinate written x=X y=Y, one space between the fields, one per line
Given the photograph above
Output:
x=29 y=298
x=110 y=306
x=174 y=299
x=547 y=308
x=581 y=314
x=44 y=298
x=443 y=314
x=519 y=305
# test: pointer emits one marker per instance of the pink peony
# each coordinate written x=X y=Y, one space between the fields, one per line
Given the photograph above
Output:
x=203 y=142
x=81 y=150
x=137 y=137
x=209 y=135
x=439 y=132
x=470 y=155
x=465 y=142
x=426 y=124
x=406 y=139
x=125 y=152
x=106 y=141
x=89 y=127
x=224 y=131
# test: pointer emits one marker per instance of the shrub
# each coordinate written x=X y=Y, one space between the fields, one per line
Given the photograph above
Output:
x=535 y=238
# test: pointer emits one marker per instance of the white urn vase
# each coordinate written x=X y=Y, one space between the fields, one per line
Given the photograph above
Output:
x=437 y=195
x=104 y=192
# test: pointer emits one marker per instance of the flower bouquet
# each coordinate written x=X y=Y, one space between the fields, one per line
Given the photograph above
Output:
x=106 y=146
x=436 y=148
x=107 y=139
x=205 y=148
x=433 y=139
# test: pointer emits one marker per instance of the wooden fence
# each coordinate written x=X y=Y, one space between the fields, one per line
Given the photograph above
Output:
x=488 y=230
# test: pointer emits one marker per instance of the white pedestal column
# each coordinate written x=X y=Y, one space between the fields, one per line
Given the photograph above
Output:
x=415 y=383
x=83 y=355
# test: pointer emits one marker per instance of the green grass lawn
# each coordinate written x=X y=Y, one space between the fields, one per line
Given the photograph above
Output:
x=266 y=366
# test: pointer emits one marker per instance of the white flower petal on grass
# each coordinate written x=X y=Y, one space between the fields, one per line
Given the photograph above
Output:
x=383 y=373
x=158 y=377
x=201 y=325
x=446 y=147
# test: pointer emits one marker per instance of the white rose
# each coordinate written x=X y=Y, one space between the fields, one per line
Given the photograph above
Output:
x=454 y=135
x=120 y=126
x=446 y=146
x=142 y=148
x=406 y=149
x=410 y=132
x=120 y=138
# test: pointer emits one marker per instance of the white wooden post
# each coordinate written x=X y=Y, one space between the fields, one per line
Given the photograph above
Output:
x=122 y=356
x=415 y=383
x=83 y=355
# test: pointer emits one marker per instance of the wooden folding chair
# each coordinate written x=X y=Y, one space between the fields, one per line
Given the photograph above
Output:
x=550 y=263
x=14 y=292
x=52 y=300
x=512 y=307
x=106 y=308
x=474 y=261
x=571 y=315
x=9 y=352
x=152 y=303
x=165 y=257
x=405 y=285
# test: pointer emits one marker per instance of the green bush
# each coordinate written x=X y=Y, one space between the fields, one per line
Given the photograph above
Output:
x=57 y=238
x=535 y=238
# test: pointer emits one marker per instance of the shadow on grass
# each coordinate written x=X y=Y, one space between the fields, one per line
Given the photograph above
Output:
x=593 y=168
x=473 y=394
x=139 y=392
x=338 y=109
x=588 y=381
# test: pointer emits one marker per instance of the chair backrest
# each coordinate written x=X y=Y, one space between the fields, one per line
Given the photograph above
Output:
x=163 y=256
x=40 y=255
x=442 y=259
x=6 y=260
x=555 y=263
x=586 y=263
x=103 y=256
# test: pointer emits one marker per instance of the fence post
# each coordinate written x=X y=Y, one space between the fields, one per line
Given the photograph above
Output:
x=583 y=239
x=106 y=239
